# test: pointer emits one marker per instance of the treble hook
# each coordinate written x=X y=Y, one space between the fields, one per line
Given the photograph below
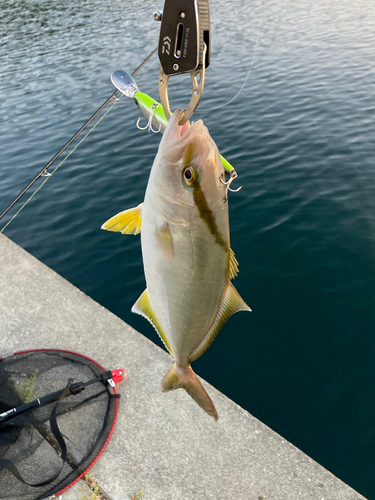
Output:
x=150 y=118
x=148 y=123
x=232 y=176
x=153 y=130
x=234 y=190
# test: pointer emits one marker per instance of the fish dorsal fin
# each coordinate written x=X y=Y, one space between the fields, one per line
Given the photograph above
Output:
x=143 y=307
x=231 y=303
x=233 y=265
x=127 y=222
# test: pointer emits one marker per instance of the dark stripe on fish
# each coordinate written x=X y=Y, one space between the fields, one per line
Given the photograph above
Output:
x=207 y=215
x=189 y=155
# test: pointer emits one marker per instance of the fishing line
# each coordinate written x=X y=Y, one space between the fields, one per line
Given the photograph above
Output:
x=44 y=170
x=149 y=68
x=248 y=72
x=202 y=108
x=59 y=165
x=241 y=89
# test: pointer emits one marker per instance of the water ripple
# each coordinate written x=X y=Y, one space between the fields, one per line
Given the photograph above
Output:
x=301 y=137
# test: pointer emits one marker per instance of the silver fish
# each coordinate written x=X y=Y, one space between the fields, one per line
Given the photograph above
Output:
x=187 y=258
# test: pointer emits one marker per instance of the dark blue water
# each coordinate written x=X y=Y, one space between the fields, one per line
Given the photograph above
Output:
x=300 y=135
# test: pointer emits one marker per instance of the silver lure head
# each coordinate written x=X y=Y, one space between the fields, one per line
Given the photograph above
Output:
x=124 y=83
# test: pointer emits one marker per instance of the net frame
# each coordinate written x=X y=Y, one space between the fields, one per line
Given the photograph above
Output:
x=113 y=396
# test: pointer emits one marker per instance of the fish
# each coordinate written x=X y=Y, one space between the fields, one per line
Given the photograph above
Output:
x=188 y=261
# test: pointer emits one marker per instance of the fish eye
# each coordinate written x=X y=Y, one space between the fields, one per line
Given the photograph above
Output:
x=189 y=176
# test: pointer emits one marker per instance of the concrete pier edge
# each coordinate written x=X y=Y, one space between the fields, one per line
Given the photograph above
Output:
x=162 y=443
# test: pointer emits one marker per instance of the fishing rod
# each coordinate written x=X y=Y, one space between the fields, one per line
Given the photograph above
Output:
x=44 y=169
x=110 y=377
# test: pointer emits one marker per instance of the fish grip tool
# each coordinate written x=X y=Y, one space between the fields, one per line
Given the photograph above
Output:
x=184 y=47
x=49 y=438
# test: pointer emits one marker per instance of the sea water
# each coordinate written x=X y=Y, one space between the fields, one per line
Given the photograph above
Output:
x=301 y=137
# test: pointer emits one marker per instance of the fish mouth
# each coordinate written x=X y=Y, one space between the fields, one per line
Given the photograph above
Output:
x=178 y=132
x=188 y=140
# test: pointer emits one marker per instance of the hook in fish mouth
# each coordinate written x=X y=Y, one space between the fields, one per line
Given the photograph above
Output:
x=233 y=175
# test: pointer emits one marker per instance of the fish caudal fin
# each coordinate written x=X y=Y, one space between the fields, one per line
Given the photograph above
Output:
x=185 y=378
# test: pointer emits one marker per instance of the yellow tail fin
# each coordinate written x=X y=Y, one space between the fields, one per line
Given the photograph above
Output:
x=178 y=377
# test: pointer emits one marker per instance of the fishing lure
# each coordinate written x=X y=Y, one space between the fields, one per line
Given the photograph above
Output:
x=155 y=115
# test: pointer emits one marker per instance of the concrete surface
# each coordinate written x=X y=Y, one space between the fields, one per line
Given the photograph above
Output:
x=75 y=492
x=163 y=443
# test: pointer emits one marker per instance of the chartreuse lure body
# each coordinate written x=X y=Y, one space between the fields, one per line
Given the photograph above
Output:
x=150 y=108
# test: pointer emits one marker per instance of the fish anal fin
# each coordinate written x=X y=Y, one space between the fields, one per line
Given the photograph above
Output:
x=233 y=265
x=178 y=377
x=126 y=222
x=231 y=303
x=143 y=308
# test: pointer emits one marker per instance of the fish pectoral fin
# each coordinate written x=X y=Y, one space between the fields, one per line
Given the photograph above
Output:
x=231 y=303
x=233 y=265
x=143 y=308
x=126 y=222
x=185 y=378
x=165 y=240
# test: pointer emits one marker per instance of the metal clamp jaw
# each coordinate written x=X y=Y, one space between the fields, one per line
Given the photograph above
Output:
x=184 y=47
